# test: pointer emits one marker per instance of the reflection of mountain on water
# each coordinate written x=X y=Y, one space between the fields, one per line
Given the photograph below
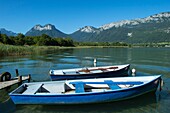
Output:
x=52 y=56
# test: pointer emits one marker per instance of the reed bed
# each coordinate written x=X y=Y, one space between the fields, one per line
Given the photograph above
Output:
x=24 y=50
x=6 y=50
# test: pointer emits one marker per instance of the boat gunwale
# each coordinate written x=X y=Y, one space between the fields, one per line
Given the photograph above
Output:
x=84 y=93
x=79 y=74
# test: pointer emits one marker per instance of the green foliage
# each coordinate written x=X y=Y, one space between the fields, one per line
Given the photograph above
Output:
x=19 y=39
x=24 y=50
x=4 y=39
x=43 y=40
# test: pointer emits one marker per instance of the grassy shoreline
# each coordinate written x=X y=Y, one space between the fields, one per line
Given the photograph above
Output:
x=6 y=50
x=23 y=50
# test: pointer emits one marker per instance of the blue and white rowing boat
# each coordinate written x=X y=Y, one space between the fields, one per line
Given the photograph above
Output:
x=90 y=72
x=84 y=91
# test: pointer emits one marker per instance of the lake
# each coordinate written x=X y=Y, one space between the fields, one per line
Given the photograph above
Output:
x=146 y=61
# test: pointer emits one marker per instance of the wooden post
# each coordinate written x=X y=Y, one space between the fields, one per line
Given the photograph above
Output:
x=19 y=80
x=29 y=77
x=17 y=74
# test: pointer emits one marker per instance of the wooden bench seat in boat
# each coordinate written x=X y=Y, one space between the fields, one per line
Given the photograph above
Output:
x=57 y=88
x=79 y=85
x=32 y=89
x=96 y=71
x=45 y=88
x=70 y=72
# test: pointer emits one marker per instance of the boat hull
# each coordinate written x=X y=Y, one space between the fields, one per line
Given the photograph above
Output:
x=118 y=73
x=87 y=98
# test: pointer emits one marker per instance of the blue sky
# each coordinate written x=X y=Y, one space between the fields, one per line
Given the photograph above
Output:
x=70 y=15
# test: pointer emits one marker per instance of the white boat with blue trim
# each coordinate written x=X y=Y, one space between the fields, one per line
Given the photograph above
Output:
x=85 y=91
x=90 y=72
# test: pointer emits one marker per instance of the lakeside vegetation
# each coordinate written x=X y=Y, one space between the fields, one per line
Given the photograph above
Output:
x=23 y=45
x=24 y=50
x=43 y=40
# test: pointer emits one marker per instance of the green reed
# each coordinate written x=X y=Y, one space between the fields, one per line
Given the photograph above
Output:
x=23 y=50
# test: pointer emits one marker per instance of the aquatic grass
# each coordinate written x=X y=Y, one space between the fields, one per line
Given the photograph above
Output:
x=6 y=50
x=24 y=50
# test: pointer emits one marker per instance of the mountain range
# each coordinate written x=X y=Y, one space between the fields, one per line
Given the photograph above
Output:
x=154 y=28
x=8 y=33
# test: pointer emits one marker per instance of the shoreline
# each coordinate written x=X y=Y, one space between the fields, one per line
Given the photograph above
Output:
x=13 y=50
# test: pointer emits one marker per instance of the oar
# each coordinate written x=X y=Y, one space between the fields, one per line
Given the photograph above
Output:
x=88 y=70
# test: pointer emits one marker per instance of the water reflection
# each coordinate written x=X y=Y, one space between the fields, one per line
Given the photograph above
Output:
x=147 y=61
x=7 y=106
x=155 y=68
x=122 y=106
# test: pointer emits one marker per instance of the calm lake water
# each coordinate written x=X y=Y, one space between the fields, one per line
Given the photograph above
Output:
x=147 y=61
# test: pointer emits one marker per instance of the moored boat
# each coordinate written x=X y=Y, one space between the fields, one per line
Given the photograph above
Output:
x=84 y=91
x=90 y=72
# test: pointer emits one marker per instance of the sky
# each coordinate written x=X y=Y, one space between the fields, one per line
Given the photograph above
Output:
x=68 y=16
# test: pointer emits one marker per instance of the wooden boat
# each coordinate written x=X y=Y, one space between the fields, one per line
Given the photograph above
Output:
x=90 y=72
x=84 y=91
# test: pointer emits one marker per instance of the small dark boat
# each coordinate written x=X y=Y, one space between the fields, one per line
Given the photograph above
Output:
x=90 y=72
x=85 y=91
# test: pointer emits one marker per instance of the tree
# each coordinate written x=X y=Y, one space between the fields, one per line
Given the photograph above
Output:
x=44 y=40
x=68 y=42
x=29 y=40
x=19 y=39
x=59 y=41
x=5 y=39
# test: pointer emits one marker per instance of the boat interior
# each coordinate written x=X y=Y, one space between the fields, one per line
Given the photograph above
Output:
x=73 y=87
x=84 y=70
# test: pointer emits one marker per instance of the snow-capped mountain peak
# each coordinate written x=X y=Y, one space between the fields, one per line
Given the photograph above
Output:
x=160 y=15
x=46 y=27
x=88 y=29
x=117 y=24
x=155 y=18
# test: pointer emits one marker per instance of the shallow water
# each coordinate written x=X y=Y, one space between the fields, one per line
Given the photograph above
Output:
x=147 y=61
